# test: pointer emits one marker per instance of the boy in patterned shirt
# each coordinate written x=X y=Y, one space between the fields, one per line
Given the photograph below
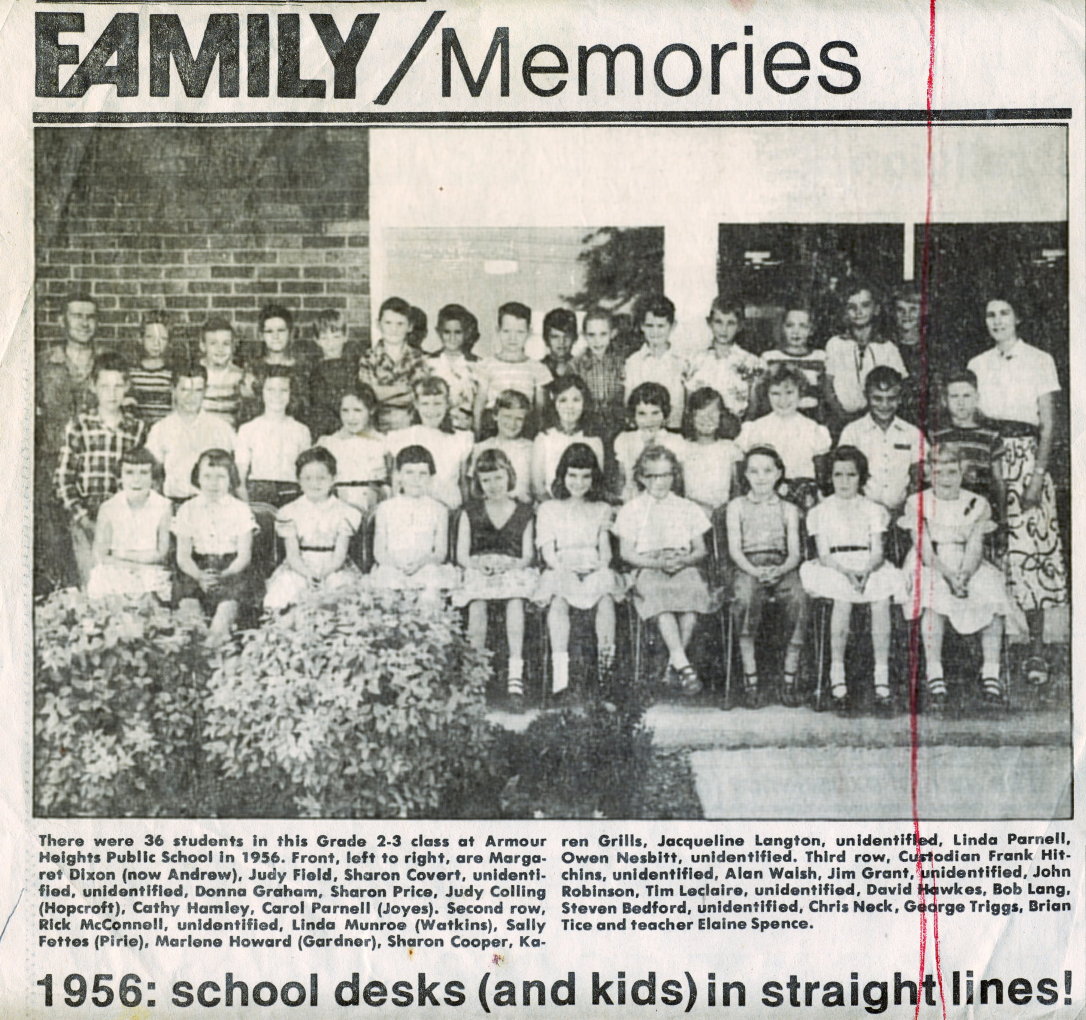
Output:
x=89 y=469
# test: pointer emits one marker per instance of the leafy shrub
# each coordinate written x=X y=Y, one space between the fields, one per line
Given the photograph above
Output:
x=358 y=703
x=119 y=688
x=582 y=760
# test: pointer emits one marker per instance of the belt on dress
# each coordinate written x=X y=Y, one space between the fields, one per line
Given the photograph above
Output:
x=317 y=548
x=849 y=548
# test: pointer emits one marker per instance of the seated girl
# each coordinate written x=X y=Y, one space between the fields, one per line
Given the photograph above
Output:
x=214 y=533
x=954 y=583
x=850 y=569
x=764 y=543
x=494 y=546
x=662 y=537
x=316 y=530
x=574 y=538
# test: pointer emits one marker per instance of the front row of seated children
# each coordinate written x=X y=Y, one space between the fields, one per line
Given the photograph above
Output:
x=662 y=541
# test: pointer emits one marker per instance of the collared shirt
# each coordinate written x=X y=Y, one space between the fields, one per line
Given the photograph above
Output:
x=603 y=376
x=795 y=437
x=459 y=374
x=268 y=447
x=89 y=471
x=392 y=380
x=668 y=369
x=731 y=374
x=652 y=524
x=890 y=453
x=178 y=442
x=1010 y=383
x=849 y=365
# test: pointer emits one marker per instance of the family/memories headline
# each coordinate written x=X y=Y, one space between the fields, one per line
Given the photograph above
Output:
x=597 y=988
x=183 y=56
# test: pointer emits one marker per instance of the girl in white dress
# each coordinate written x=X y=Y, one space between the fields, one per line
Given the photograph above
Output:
x=316 y=530
x=411 y=533
x=575 y=542
x=132 y=534
x=850 y=569
x=710 y=461
x=954 y=583
x=361 y=452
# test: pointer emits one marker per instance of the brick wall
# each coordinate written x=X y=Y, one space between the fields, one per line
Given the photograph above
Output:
x=200 y=222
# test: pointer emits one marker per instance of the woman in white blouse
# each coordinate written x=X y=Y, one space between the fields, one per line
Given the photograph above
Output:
x=1017 y=387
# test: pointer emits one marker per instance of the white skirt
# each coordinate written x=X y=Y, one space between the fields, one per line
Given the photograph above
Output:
x=826 y=583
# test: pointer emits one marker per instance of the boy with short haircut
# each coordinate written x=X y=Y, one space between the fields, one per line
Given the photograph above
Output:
x=559 y=334
x=178 y=439
x=602 y=368
x=222 y=396
x=893 y=447
x=655 y=361
x=510 y=368
x=89 y=468
x=727 y=367
x=334 y=371
x=978 y=441
x=391 y=366
x=149 y=380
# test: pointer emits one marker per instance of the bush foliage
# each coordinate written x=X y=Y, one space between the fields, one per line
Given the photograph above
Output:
x=361 y=703
x=119 y=689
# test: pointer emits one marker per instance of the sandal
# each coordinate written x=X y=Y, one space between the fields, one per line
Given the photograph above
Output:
x=991 y=691
x=689 y=681
x=790 y=697
x=1036 y=670
x=937 y=696
x=752 y=692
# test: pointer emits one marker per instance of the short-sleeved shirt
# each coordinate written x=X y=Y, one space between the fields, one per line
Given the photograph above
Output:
x=450 y=450
x=980 y=447
x=459 y=376
x=268 y=447
x=134 y=528
x=668 y=369
x=708 y=470
x=795 y=437
x=177 y=444
x=850 y=366
x=222 y=396
x=318 y=525
x=651 y=524
x=574 y=528
x=845 y=523
x=890 y=453
x=731 y=375
x=1009 y=383
x=215 y=529
x=603 y=376
x=359 y=458
x=528 y=377
x=392 y=379
x=151 y=392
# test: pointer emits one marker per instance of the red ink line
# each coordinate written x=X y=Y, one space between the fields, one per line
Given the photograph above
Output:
x=914 y=633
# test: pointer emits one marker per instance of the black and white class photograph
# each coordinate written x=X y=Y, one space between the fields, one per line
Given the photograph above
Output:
x=547 y=473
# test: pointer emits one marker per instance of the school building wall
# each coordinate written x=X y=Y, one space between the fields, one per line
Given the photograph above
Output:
x=201 y=222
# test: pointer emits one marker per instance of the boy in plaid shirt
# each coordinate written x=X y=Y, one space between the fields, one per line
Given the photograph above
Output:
x=90 y=457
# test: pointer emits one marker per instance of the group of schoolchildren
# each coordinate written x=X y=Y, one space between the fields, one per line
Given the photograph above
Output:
x=573 y=481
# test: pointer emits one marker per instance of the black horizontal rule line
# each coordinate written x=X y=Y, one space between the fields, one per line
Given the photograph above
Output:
x=561 y=117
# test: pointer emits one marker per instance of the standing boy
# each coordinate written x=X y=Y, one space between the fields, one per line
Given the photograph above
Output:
x=89 y=468
x=224 y=379
x=656 y=361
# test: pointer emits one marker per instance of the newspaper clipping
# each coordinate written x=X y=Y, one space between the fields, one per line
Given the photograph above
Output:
x=546 y=508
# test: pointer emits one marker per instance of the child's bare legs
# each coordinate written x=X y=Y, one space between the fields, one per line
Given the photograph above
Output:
x=226 y=612
x=932 y=625
x=676 y=631
x=880 y=647
x=514 y=635
x=558 y=629
x=605 y=632
x=991 y=643
x=477 y=621
x=840 y=617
